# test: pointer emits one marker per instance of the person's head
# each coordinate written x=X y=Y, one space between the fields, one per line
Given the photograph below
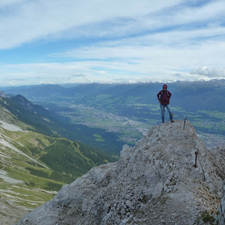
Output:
x=164 y=87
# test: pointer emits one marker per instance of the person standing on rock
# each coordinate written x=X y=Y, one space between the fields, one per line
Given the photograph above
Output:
x=164 y=100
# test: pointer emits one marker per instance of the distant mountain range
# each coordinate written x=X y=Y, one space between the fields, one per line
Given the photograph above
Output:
x=201 y=102
x=203 y=95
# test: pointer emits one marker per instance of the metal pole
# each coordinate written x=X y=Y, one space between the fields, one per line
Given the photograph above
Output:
x=184 y=123
x=196 y=155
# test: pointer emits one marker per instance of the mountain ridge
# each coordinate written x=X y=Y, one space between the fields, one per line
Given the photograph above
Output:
x=52 y=124
x=33 y=166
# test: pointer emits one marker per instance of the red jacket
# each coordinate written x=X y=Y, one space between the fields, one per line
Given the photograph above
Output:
x=164 y=97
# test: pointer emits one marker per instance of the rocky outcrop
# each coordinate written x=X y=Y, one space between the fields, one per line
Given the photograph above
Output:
x=221 y=213
x=3 y=94
x=154 y=182
x=218 y=159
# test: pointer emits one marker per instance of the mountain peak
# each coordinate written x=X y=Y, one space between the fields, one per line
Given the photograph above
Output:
x=22 y=100
x=158 y=181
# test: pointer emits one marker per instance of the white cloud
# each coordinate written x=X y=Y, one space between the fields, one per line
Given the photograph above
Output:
x=123 y=62
x=164 y=56
x=27 y=21
x=32 y=20
x=182 y=18
x=11 y=83
x=209 y=71
x=46 y=82
x=212 y=10
x=149 y=40
x=78 y=75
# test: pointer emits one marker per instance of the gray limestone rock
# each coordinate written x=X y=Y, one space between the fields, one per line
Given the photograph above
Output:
x=220 y=220
x=219 y=158
x=154 y=182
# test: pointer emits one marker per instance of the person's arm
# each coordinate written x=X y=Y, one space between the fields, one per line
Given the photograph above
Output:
x=159 y=94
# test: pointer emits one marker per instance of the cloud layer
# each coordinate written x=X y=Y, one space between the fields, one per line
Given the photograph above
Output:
x=111 y=41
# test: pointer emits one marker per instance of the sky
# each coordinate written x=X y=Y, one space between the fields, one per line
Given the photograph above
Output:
x=119 y=41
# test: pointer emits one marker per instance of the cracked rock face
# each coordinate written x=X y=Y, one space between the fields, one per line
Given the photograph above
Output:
x=220 y=220
x=154 y=182
x=219 y=163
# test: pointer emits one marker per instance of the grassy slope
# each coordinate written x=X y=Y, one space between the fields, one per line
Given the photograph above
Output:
x=17 y=183
x=48 y=162
x=52 y=124
x=34 y=166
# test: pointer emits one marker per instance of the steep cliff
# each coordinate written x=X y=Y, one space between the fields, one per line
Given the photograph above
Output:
x=155 y=182
x=218 y=157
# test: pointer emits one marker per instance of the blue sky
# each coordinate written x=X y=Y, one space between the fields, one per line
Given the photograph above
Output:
x=76 y=41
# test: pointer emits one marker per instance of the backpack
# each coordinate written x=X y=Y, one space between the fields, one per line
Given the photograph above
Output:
x=168 y=95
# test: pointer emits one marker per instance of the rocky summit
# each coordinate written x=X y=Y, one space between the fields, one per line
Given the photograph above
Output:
x=159 y=181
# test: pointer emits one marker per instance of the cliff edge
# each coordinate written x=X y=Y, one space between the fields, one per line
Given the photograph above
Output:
x=155 y=182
